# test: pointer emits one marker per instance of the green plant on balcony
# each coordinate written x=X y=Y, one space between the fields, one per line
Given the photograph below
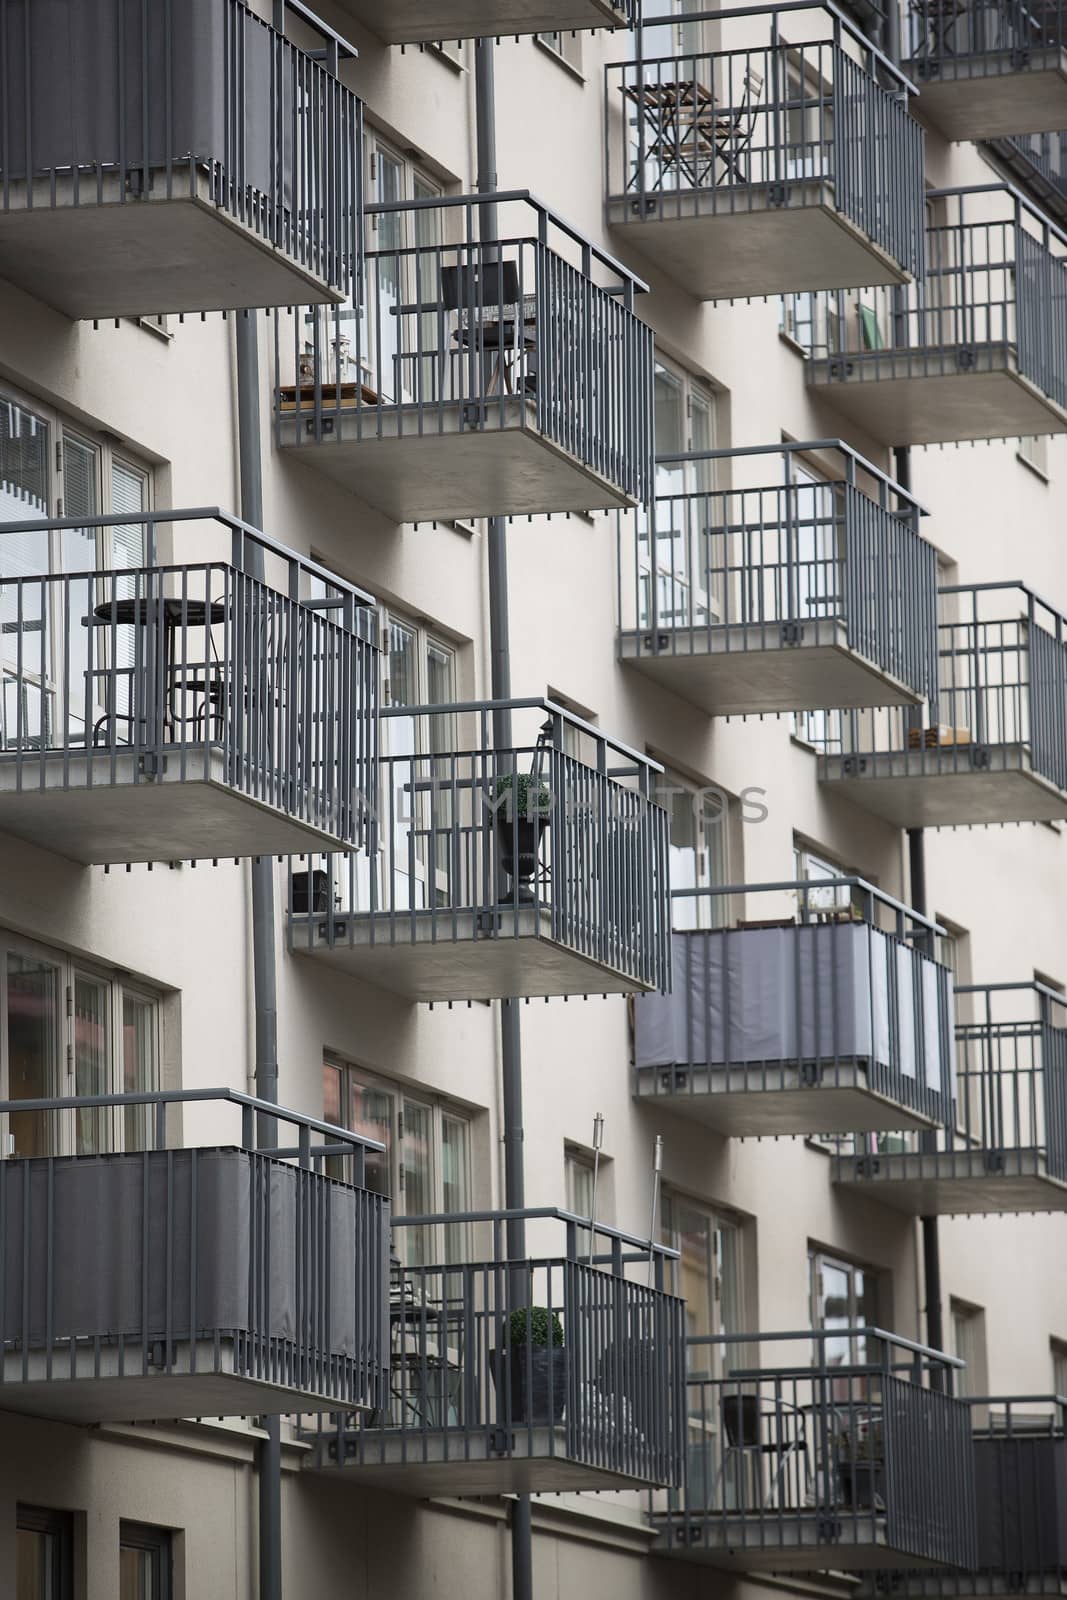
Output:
x=523 y=805
x=530 y=1369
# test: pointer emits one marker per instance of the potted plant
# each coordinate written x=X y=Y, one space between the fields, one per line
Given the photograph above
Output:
x=523 y=805
x=861 y=1465
x=530 y=1368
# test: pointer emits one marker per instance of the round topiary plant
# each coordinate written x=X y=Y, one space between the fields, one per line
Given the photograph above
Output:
x=524 y=796
x=531 y=1324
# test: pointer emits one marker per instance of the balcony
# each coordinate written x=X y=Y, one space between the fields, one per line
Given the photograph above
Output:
x=411 y=22
x=157 y=711
x=510 y=863
x=796 y=593
x=1005 y=1147
x=144 y=1279
x=204 y=163
x=828 y=1019
x=1020 y=1452
x=484 y=376
x=769 y=166
x=809 y=1452
x=992 y=748
x=1038 y=163
x=522 y=1373
x=973 y=351
x=983 y=71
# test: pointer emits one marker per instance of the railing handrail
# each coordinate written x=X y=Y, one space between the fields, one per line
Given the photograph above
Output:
x=1019 y=199
x=813 y=886
x=152 y=519
x=782 y=7
x=648 y=1247
x=791 y=447
x=165 y=1097
x=1007 y=584
x=822 y=1334
x=317 y=25
x=1014 y=1399
x=1023 y=984
x=539 y=703
x=501 y=197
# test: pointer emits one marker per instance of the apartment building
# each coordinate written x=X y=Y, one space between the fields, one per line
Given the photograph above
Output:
x=531 y=560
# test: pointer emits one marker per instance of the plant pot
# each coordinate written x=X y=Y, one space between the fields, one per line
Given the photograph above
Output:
x=531 y=1384
x=862 y=1485
x=310 y=892
x=520 y=844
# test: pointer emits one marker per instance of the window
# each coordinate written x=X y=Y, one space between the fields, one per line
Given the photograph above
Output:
x=145 y=1562
x=586 y=1196
x=968 y=1344
x=699 y=828
x=398 y=278
x=1058 y=1352
x=811 y=868
x=426 y=1165
x=1034 y=452
x=953 y=949
x=72 y=1030
x=567 y=46
x=44 y=1554
x=707 y=1275
x=419 y=670
x=684 y=414
x=844 y=1294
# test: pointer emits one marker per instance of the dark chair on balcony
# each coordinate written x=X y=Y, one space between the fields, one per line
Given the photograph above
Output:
x=759 y=1429
x=493 y=319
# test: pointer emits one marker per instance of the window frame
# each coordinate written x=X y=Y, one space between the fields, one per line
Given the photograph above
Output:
x=56 y=1525
x=158 y=1544
x=62 y=1130
x=971 y=1379
x=820 y=1257
x=438 y=1107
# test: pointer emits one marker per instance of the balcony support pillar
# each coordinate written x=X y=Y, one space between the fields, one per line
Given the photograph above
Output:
x=264 y=963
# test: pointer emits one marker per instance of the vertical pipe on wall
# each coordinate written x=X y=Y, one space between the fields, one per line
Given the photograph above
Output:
x=500 y=672
x=264 y=965
x=935 y=1333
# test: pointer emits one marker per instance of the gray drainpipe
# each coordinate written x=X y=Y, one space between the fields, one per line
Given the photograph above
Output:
x=500 y=657
x=935 y=1332
x=264 y=968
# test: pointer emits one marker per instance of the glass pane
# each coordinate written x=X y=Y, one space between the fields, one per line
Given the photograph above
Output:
x=78 y=553
x=416 y=1156
x=833 y=1307
x=137 y=1575
x=129 y=492
x=34 y=1559
x=24 y=450
x=371 y=1111
x=140 y=1070
x=388 y=269
x=694 y=1237
x=669 y=415
x=90 y=1062
x=455 y=1182
x=32 y=1050
x=731 y=1314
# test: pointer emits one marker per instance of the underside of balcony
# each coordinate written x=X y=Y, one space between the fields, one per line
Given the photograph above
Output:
x=992 y=95
x=746 y=240
x=784 y=1541
x=105 y=254
x=424 y=466
x=950 y=1183
x=927 y=396
x=413 y=22
x=778 y=1099
x=764 y=667
x=433 y=955
x=78 y=1397
x=532 y=1460
x=103 y=810
x=974 y=784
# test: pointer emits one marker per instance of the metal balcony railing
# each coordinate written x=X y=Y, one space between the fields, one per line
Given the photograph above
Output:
x=145 y=1278
x=1038 y=162
x=799 y=1007
x=1001 y=708
x=565 y=1366
x=980 y=42
x=991 y=299
x=791 y=562
x=188 y=100
x=1020 y=1458
x=818 y=1450
x=520 y=325
x=803 y=112
x=550 y=837
x=1009 y=1115
x=256 y=671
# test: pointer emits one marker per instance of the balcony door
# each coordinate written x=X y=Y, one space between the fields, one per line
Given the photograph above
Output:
x=398 y=345
x=698 y=836
x=683 y=77
x=679 y=572
x=421 y=670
